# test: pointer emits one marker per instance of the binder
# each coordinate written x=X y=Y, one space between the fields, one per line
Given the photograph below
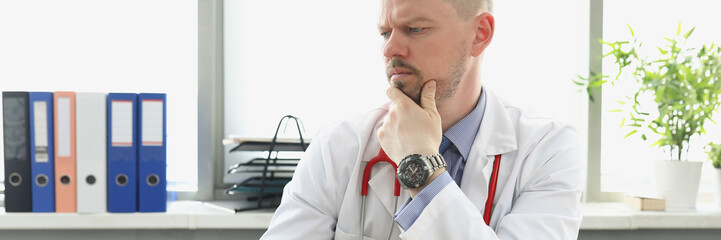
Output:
x=152 y=193
x=16 y=136
x=122 y=152
x=65 y=158
x=42 y=164
x=91 y=152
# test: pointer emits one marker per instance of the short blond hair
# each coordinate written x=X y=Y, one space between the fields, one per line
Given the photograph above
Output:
x=469 y=8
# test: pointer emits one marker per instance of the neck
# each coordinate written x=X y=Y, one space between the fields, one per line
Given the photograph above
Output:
x=462 y=103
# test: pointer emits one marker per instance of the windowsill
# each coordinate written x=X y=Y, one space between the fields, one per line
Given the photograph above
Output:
x=219 y=215
x=181 y=215
x=617 y=216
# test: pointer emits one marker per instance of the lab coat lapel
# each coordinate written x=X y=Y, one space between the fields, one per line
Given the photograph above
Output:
x=496 y=135
x=382 y=179
x=382 y=184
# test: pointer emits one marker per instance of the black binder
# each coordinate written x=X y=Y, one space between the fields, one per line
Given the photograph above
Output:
x=16 y=135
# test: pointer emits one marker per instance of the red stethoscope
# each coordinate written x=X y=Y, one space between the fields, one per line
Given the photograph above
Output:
x=382 y=157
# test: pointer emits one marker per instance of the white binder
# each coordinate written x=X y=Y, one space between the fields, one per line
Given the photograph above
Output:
x=91 y=152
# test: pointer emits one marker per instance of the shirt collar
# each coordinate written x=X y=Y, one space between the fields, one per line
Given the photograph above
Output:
x=463 y=133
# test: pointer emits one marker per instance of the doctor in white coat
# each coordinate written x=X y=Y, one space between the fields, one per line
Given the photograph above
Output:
x=433 y=51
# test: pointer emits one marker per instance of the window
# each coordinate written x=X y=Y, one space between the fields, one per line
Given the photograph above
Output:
x=626 y=163
x=318 y=60
x=110 y=46
x=321 y=60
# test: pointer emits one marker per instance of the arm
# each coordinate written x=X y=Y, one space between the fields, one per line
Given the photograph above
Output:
x=308 y=200
x=550 y=200
x=547 y=207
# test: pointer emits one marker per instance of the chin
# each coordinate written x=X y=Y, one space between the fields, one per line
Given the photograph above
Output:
x=412 y=90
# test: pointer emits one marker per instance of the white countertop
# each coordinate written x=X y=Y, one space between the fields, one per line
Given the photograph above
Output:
x=219 y=215
x=180 y=215
x=617 y=216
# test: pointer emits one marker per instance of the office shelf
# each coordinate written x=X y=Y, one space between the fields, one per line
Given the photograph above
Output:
x=273 y=172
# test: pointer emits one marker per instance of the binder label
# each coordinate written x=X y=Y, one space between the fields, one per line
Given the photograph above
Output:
x=122 y=121
x=63 y=112
x=40 y=120
x=15 y=139
x=152 y=122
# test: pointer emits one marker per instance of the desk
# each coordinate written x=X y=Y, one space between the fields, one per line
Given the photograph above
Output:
x=617 y=221
x=184 y=220
x=216 y=220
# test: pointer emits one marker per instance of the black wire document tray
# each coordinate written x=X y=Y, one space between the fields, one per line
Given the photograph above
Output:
x=272 y=185
x=258 y=165
x=263 y=144
x=273 y=172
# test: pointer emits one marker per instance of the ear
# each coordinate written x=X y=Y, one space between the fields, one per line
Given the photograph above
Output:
x=485 y=25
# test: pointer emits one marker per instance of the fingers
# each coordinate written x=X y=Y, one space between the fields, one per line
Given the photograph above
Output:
x=396 y=95
x=411 y=128
x=428 y=96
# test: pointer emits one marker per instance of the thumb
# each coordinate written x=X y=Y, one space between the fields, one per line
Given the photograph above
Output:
x=428 y=96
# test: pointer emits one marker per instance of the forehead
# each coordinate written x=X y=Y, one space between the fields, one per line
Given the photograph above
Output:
x=400 y=12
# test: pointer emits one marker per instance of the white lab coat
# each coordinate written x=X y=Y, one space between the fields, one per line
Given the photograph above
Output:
x=540 y=181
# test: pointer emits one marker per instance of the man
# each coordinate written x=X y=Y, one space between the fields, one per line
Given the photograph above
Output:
x=433 y=51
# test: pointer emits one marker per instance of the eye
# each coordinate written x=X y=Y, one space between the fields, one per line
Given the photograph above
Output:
x=386 y=35
x=415 y=30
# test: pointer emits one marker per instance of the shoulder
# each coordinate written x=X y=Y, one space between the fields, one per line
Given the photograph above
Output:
x=544 y=147
x=532 y=129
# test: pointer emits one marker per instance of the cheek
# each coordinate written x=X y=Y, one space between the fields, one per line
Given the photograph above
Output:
x=436 y=60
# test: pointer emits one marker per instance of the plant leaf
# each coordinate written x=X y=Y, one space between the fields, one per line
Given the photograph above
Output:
x=657 y=142
x=630 y=133
x=630 y=29
x=688 y=34
x=678 y=30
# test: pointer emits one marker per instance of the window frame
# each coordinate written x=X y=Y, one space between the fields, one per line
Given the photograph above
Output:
x=593 y=176
x=210 y=102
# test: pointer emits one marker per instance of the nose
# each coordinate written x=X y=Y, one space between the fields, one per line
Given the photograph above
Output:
x=395 y=46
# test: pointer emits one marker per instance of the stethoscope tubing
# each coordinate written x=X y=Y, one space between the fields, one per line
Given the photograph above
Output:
x=382 y=157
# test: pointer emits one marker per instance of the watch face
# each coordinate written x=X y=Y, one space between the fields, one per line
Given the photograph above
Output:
x=412 y=172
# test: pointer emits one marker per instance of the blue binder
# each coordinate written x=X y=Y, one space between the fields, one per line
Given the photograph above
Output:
x=152 y=193
x=42 y=154
x=122 y=152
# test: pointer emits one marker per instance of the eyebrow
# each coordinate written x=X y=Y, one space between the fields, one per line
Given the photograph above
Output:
x=409 y=22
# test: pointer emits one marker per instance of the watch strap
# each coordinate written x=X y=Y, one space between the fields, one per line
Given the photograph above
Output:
x=436 y=160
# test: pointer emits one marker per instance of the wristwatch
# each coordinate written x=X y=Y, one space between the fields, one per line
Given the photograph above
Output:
x=415 y=170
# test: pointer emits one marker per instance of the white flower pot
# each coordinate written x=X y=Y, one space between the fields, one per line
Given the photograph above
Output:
x=718 y=186
x=677 y=182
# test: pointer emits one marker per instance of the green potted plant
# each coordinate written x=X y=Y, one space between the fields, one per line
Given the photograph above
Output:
x=684 y=83
x=713 y=152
